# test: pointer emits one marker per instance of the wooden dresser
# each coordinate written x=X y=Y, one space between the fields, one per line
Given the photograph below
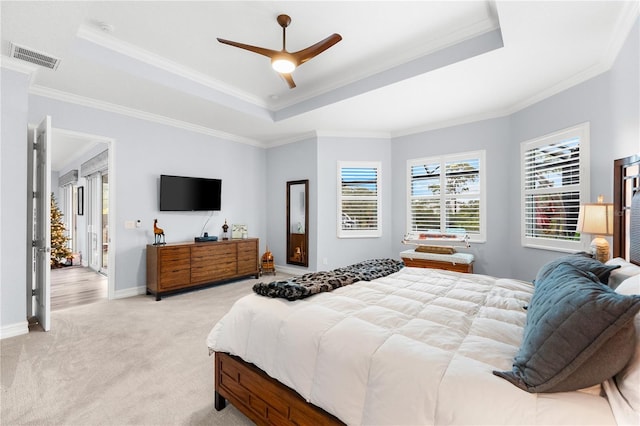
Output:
x=175 y=267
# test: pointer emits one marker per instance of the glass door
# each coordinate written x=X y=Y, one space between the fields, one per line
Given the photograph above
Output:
x=97 y=221
x=105 y=223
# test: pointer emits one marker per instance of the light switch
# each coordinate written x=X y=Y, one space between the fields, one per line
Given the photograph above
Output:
x=129 y=224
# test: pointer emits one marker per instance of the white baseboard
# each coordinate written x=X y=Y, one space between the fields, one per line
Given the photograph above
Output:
x=130 y=292
x=13 y=330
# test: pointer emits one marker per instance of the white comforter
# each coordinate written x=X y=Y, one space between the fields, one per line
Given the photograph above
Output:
x=417 y=347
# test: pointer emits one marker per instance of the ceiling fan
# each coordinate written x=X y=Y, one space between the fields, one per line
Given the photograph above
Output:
x=285 y=62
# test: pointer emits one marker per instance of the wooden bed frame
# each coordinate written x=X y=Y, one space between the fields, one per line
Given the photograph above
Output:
x=262 y=398
x=266 y=401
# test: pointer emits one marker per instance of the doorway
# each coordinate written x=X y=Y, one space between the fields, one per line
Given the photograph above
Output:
x=85 y=201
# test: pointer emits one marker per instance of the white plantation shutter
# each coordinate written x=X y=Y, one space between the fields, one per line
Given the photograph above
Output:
x=457 y=208
x=554 y=184
x=359 y=199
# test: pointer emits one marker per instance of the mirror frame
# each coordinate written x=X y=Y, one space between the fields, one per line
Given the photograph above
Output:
x=295 y=239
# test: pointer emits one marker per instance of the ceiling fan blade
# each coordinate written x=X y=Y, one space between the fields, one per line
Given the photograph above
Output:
x=304 y=55
x=260 y=50
x=289 y=79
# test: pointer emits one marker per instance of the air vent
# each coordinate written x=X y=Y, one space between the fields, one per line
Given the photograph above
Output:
x=33 y=56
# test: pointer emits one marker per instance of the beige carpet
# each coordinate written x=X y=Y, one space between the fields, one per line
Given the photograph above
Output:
x=131 y=361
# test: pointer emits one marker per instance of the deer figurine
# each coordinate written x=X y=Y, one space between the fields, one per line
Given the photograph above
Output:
x=158 y=233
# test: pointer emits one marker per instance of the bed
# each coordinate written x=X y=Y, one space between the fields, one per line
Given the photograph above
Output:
x=426 y=346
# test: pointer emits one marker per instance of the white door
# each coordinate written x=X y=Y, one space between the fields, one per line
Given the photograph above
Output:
x=40 y=255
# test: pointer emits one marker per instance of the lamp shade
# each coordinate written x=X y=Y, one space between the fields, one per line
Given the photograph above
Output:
x=596 y=219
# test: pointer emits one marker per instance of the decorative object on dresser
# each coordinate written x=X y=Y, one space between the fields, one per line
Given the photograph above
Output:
x=225 y=230
x=239 y=231
x=176 y=267
x=597 y=219
x=158 y=234
x=267 y=266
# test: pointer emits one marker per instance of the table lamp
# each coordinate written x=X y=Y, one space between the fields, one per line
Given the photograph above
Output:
x=597 y=219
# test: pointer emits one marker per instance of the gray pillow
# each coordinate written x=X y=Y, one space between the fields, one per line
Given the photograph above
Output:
x=582 y=261
x=578 y=333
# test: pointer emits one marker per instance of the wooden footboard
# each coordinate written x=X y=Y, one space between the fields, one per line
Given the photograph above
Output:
x=261 y=398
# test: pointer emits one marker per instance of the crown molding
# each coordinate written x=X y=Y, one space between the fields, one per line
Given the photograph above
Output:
x=512 y=109
x=489 y=115
x=353 y=134
x=293 y=139
x=316 y=134
x=134 y=113
x=624 y=25
x=17 y=65
x=561 y=86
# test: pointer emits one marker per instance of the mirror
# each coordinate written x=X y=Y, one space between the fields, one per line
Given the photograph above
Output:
x=298 y=222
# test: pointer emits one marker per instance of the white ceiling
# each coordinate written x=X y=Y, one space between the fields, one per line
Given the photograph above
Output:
x=398 y=70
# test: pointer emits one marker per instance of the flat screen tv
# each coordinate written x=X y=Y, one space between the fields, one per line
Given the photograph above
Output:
x=181 y=193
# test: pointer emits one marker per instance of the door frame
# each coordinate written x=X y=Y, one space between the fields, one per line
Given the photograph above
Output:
x=111 y=146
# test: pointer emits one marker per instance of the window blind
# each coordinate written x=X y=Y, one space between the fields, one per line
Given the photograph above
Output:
x=456 y=208
x=69 y=178
x=554 y=183
x=359 y=199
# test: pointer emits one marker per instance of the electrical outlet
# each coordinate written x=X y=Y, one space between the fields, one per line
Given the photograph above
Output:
x=325 y=261
x=129 y=224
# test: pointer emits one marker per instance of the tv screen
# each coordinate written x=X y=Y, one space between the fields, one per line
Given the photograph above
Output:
x=181 y=193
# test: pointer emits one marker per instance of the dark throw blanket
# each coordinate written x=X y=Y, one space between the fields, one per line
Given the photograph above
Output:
x=306 y=285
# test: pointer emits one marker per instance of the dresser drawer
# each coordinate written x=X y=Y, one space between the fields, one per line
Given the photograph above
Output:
x=174 y=259
x=174 y=279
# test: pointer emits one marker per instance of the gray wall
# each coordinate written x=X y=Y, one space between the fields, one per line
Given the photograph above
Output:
x=625 y=97
x=142 y=151
x=294 y=161
x=13 y=202
x=491 y=136
x=611 y=103
x=344 y=251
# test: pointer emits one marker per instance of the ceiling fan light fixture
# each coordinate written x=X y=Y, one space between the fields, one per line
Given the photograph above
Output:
x=282 y=61
x=283 y=65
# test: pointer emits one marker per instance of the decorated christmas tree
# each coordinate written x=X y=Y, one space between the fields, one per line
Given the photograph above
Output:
x=59 y=250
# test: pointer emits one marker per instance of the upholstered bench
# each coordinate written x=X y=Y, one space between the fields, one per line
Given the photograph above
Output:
x=460 y=262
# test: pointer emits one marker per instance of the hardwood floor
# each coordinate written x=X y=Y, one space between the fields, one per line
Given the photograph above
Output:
x=76 y=285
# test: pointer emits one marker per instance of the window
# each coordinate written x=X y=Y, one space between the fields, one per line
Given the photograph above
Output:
x=359 y=199
x=460 y=207
x=555 y=182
